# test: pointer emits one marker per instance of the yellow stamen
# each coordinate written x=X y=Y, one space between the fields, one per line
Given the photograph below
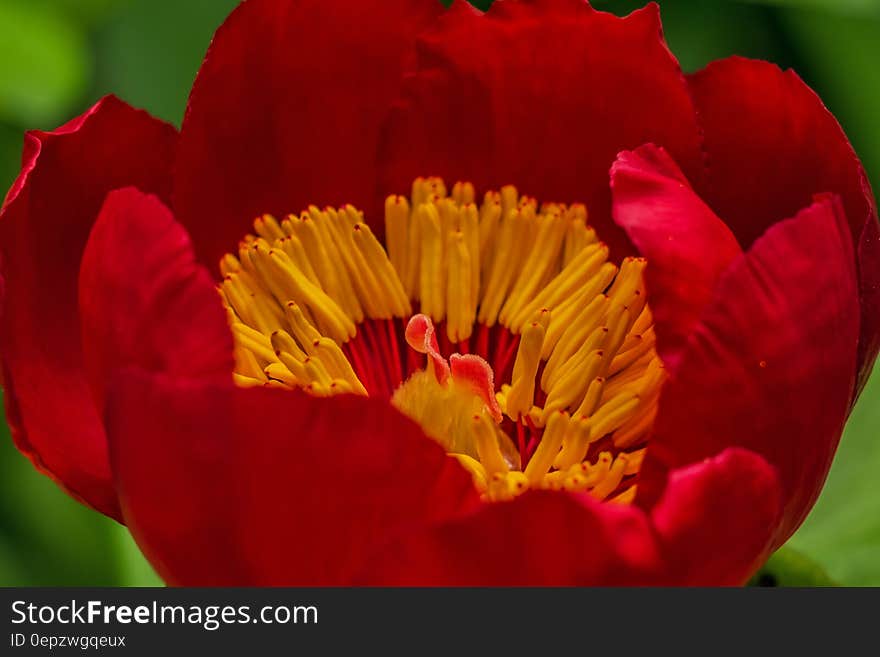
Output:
x=528 y=358
x=314 y=301
x=548 y=448
x=432 y=291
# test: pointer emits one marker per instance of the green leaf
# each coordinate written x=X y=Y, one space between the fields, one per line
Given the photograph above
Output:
x=851 y=7
x=843 y=530
x=87 y=13
x=134 y=569
x=50 y=539
x=44 y=64
x=11 y=142
x=150 y=51
x=788 y=567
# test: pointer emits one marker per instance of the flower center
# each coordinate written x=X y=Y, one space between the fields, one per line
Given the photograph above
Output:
x=552 y=379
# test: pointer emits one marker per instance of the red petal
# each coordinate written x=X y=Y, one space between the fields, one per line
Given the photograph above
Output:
x=44 y=226
x=716 y=519
x=285 y=112
x=772 y=145
x=541 y=94
x=144 y=301
x=687 y=245
x=542 y=538
x=772 y=364
x=225 y=485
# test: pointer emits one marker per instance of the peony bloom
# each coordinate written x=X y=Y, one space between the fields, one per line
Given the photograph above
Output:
x=543 y=374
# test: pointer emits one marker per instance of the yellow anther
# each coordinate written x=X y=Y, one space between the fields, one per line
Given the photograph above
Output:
x=612 y=415
x=634 y=461
x=337 y=364
x=490 y=217
x=571 y=387
x=509 y=199
x=577 y=235
x=432 y=291
x=508 y=486
x=634 y=348
x=469 y=226
x=318 y=389
x=307 y=232
x=301 y=328
x=572 y=324
x=247 y=381
x=229 y=264
x=254 y=341
x=618 y=323
x=576 y=444
x=476 y=469
x=341 y=387
x=591 y=398
x=536 y=417
x=282 y=341
x=316 y=372
x=525 y=368
x=279 y=372
x=397 y=231
x=246 y=363
x=486 y=440
x=460 y=307
x=249 y=302
x=514 y=241
x=352 y=215
x=567 y=283
x=563 y=362
x=354 y=293
x=628 y=281
x=424 y=188
x=388 y=288
x=267 y=228
x=626 y=497
x=296 y=367
x=644 y=322
x=538 y=268
x=611 y=480
x=548 y=448
x=636 y=429
x=287 y=282
x=294 y=249
x=463 y=192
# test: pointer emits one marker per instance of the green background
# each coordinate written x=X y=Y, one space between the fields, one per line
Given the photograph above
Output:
x=58 y=56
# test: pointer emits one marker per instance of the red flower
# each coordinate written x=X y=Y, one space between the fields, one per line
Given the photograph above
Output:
x=735 y=184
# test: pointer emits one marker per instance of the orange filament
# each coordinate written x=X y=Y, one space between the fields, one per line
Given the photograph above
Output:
x=540 y=369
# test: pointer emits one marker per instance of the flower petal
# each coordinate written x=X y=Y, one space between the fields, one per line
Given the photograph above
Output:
x=772 y=363
x=716 y=519
x=542 y=538
x=144 y=302
x=285 y=112
x=686 y=244
x=542 y=94
x=261 y=486
x=771 y=146
x=44 y=225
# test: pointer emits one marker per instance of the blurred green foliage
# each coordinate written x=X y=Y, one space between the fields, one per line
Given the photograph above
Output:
x=58 y=56
x=788 y=567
